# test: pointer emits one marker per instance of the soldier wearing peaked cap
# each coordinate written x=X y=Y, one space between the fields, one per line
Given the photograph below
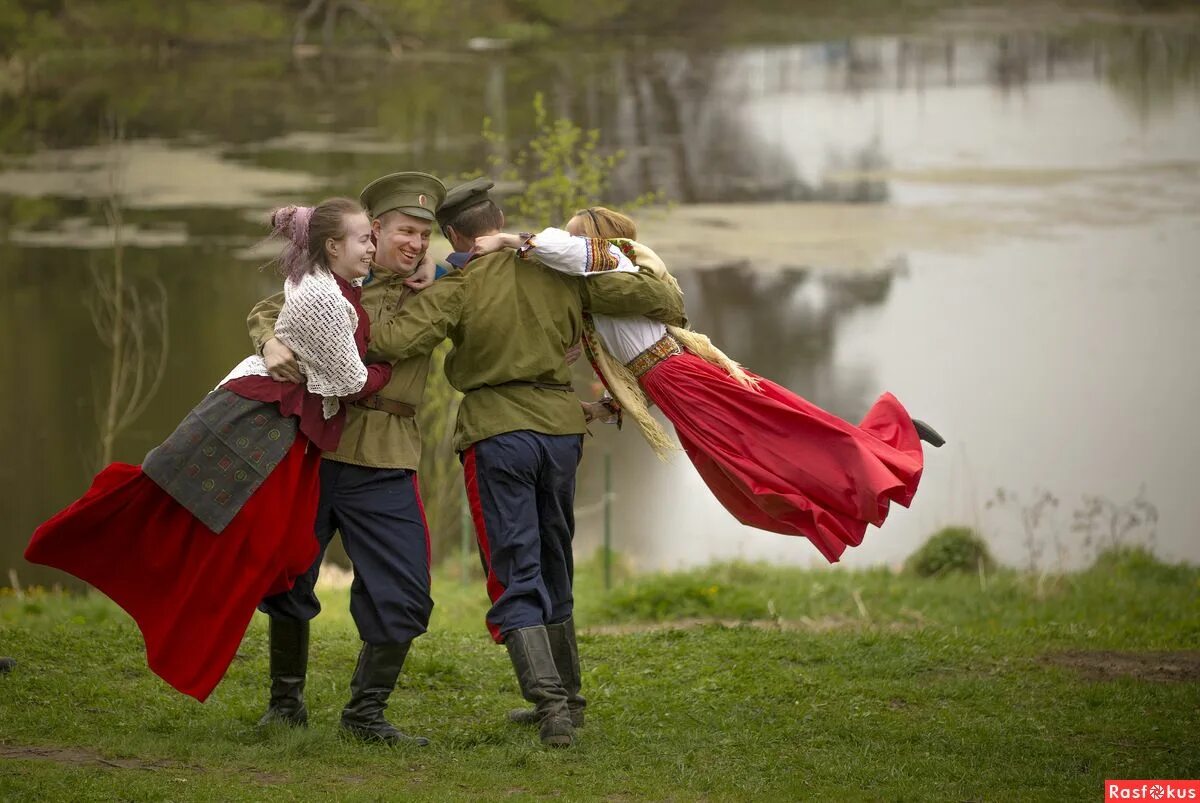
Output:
x=466 y=207
x=368 y=487
x=417 y=195
x=519 y=432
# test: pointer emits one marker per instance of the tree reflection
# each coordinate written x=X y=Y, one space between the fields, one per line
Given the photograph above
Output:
x=131 y=321
x=784 y=325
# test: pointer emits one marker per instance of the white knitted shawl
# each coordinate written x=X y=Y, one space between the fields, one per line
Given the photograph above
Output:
x=317 y=323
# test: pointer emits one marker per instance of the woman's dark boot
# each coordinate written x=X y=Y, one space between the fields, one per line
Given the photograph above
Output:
x=289 y=665
x=374 y=680
x=533 y=661
x=566 y=660
x=928 y=433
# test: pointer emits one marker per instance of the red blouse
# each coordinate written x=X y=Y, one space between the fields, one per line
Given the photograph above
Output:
x=294 y=399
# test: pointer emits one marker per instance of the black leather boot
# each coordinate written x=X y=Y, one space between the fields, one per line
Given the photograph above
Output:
x=928 y=433
x=533 y=660
x=289 y=665
x=374 y=680
x=566 y=660
x=7 y=665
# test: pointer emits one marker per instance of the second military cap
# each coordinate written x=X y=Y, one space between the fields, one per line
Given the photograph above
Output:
x=464 y=196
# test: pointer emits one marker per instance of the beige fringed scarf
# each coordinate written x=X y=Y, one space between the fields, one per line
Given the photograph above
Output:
x=620 y=380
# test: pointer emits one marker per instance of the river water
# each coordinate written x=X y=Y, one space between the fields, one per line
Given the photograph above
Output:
x=1000 y=227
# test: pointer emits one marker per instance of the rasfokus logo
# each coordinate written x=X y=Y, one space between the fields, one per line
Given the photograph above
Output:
x=1151 y=790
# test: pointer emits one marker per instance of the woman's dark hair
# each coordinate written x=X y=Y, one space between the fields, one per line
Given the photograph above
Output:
x=305 y=230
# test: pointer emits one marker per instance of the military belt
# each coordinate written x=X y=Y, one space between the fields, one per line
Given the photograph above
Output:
x=540 y=385
x=390 y=406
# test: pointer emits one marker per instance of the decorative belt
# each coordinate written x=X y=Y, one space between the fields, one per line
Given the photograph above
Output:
x=667 y=347
x=540 y=385
x=390 y=406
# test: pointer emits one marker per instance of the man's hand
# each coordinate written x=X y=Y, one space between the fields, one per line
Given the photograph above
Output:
x=426 y=270
x=574 y=352
x=281 y=362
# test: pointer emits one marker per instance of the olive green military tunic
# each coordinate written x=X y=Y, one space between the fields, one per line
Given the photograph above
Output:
x=511 y=322
x=371 y=438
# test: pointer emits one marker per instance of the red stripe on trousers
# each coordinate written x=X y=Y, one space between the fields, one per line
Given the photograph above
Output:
x=425 y=524
x=494 y=587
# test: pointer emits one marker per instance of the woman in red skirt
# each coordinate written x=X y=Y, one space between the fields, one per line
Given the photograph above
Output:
x=221 y=514
x=773 y=460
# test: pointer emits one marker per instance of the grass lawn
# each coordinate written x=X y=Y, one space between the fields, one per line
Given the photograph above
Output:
x=732 y=682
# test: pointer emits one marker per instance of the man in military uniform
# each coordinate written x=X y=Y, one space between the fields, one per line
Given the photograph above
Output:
x=470 y=199
x=519 y=430
x=369 y=489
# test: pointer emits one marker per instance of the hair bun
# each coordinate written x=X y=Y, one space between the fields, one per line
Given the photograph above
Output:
x=290 y=223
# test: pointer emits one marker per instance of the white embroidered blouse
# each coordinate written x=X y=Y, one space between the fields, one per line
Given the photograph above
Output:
x=624 y=337
x=318 y=324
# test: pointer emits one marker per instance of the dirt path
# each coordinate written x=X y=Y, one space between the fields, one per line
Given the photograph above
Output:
x=1182 y=666
x=824 y=624
x=79 y=757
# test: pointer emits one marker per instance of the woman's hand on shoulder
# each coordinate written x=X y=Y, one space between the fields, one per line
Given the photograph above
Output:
x=491 y=243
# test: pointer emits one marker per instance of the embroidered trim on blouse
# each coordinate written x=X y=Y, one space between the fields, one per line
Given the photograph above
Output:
x=627 y=248
x=599 y=257
x=530 y=243
x=667 y=347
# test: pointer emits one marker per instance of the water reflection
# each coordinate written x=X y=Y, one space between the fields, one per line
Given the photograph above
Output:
x=679 y=111
x=945 y=119
x=784 y=324
x=50 y=427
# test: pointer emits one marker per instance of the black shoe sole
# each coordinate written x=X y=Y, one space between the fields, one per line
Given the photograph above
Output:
x=373 y=737
x=526 y=717
x=271 y=720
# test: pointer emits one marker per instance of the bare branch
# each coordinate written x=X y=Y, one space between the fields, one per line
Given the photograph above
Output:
x=301 y=29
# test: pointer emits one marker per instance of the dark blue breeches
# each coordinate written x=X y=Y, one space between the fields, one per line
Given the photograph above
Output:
x=521 y=487
x=378 y=512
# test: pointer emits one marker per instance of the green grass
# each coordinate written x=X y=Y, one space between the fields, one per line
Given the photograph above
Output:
x=840 y=685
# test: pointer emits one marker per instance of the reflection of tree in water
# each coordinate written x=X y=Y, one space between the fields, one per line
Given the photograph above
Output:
x=331 y=9
x=679 y=119
x=131 y=320
x=784 y=326
x=685 y=139
x=1152 y=69
x=675 y=109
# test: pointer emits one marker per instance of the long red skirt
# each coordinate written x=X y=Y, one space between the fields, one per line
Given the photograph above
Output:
x=781 y=464
x=192 y=592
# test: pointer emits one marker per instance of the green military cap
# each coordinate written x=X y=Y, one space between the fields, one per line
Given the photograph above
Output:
x=416 y=194
x=464 y=196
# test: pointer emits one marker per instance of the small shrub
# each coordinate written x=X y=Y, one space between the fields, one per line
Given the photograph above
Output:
x=683 y=596
x=951 y=549
x=1126 y=559
x=562 y=169
x=1136 y=563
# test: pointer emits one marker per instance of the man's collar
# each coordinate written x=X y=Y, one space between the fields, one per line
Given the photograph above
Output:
x=384 y=275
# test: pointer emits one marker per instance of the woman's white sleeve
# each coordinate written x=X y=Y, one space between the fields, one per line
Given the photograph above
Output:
x=577 y=256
